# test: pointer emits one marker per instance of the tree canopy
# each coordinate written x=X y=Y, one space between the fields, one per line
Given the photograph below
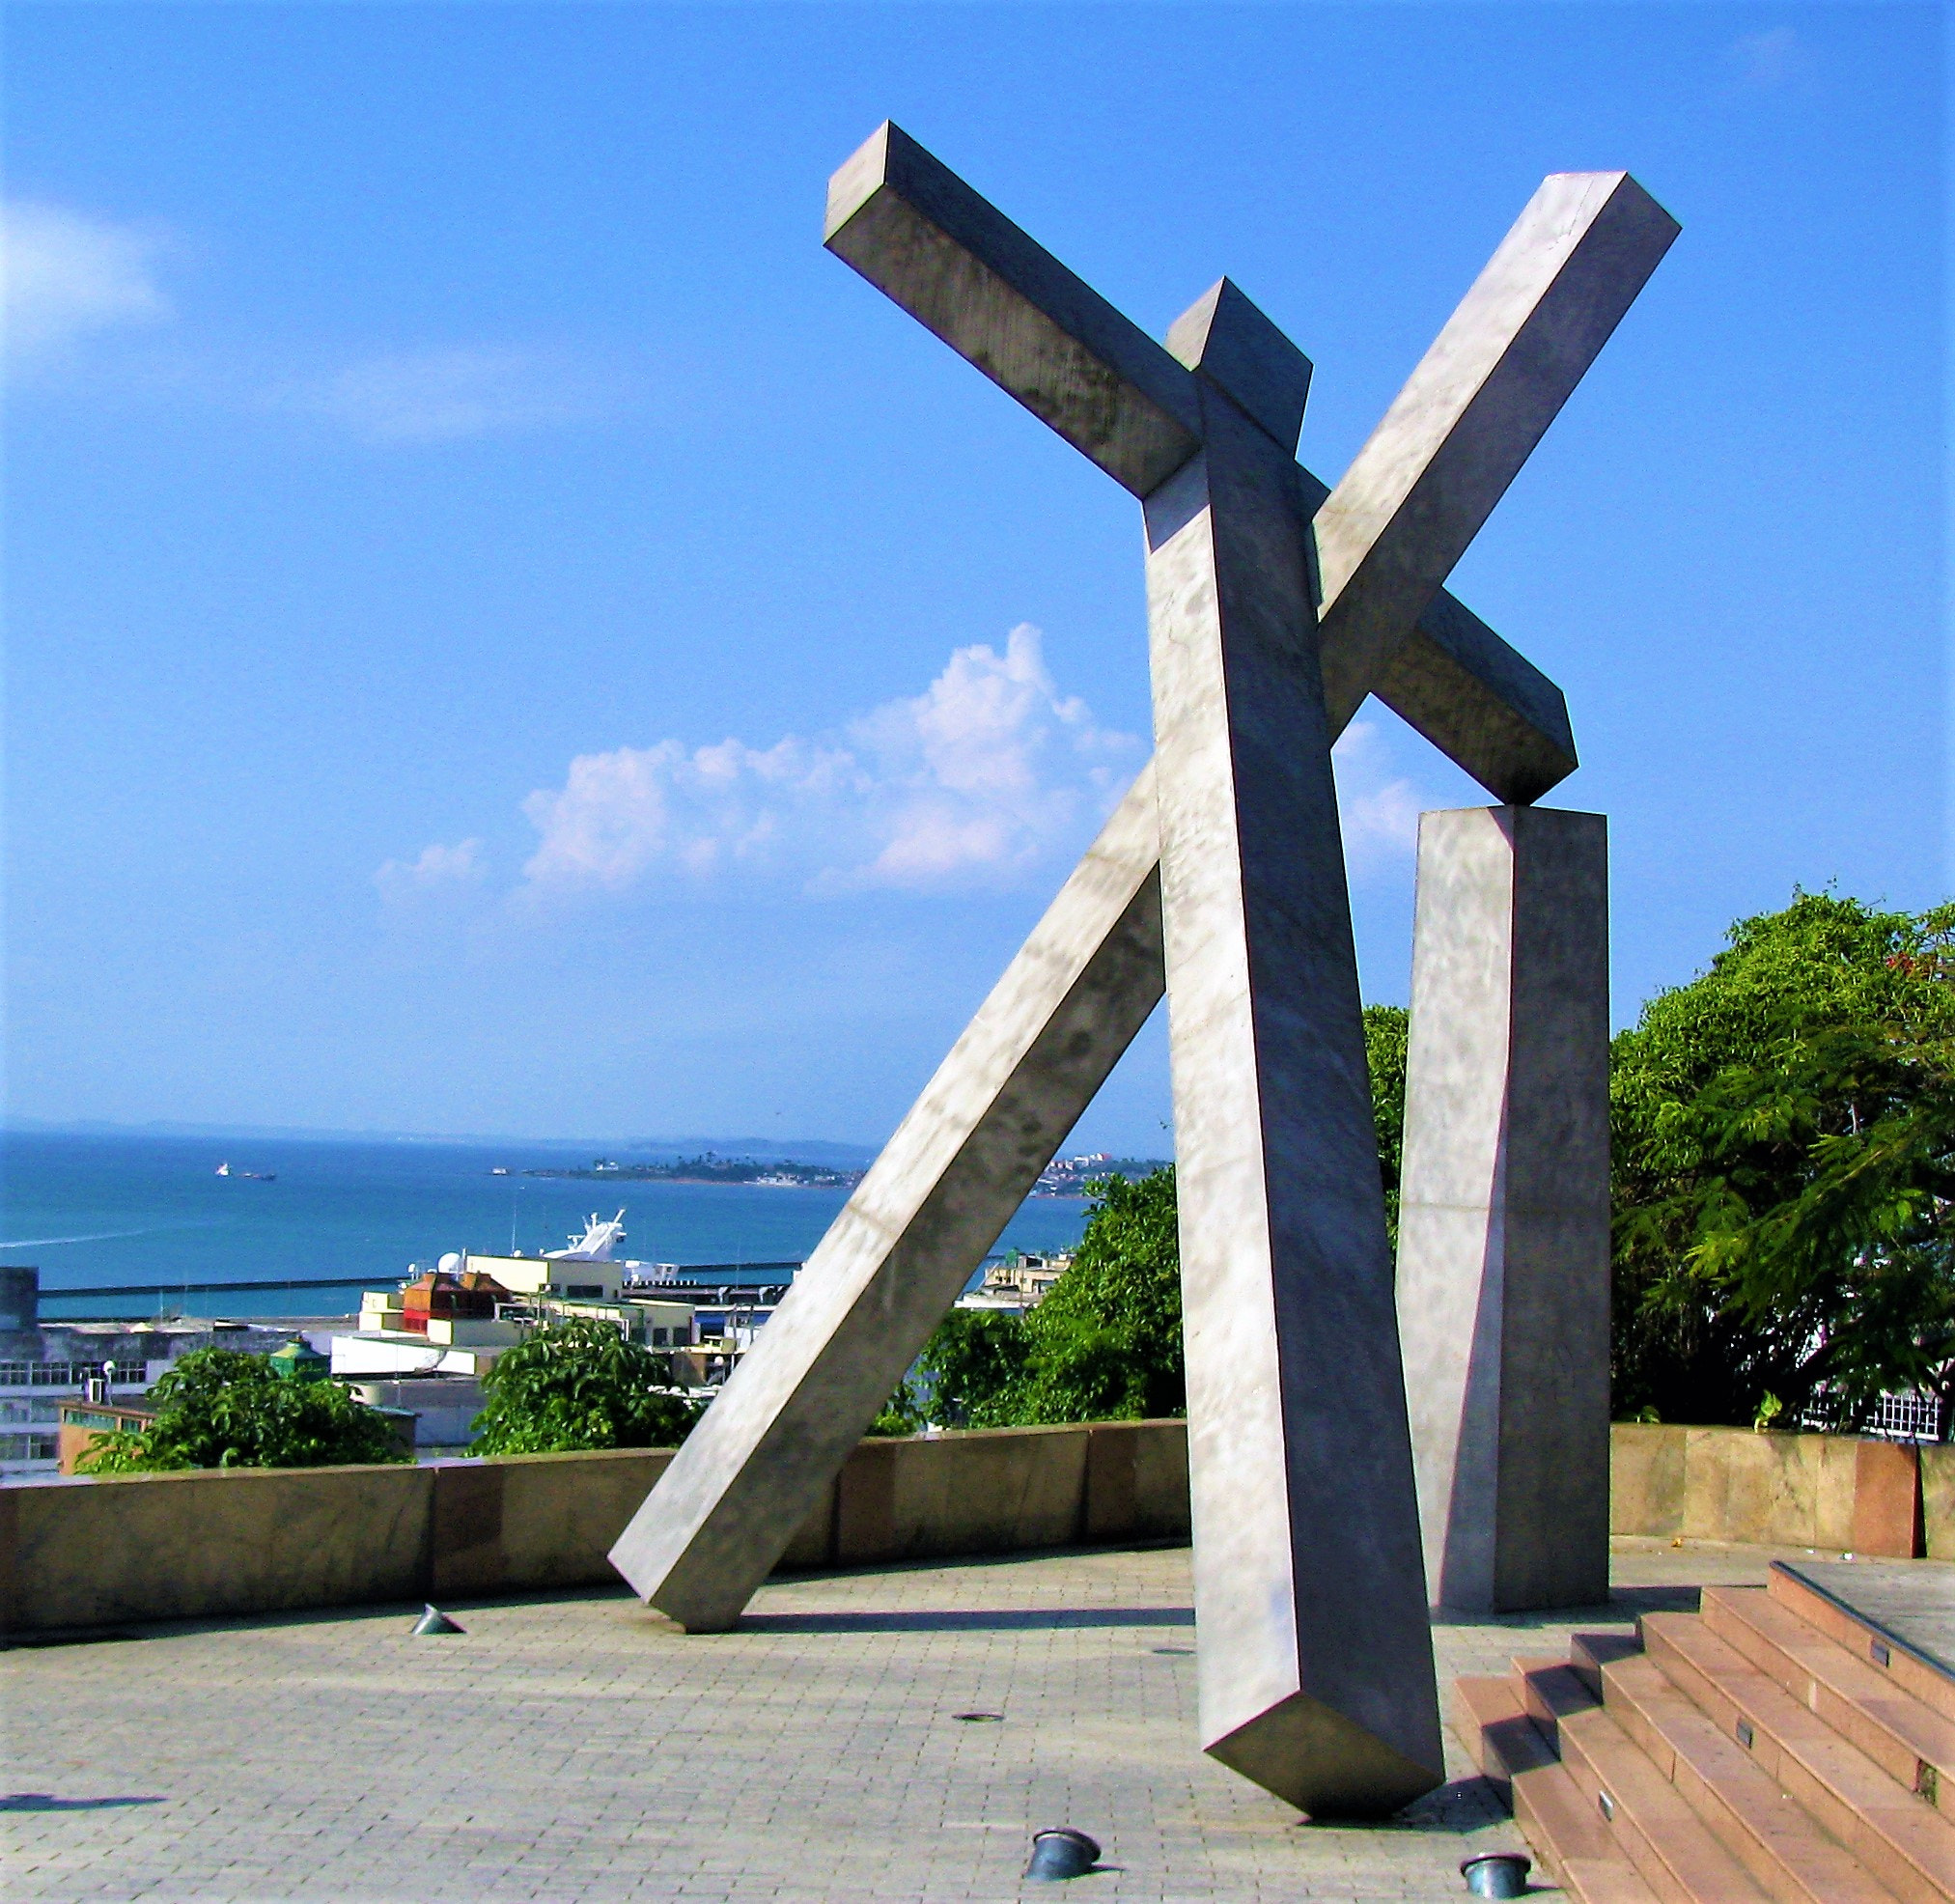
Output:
x=578 y=1384
x=1387 y=1043
x=219 y=1408
x=1783 y=1132
x=1104 y=1345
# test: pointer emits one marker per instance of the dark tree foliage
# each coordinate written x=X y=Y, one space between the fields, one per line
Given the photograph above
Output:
x=1784 y=1165
x=577 y=1383
x=1106 y=1343
x=905 y=1413
x=216 y=1408
x=1387 y=1039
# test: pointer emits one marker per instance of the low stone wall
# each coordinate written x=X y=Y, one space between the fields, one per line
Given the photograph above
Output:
x=1833 y=1492
x=89 y=1553
x=85 y=1555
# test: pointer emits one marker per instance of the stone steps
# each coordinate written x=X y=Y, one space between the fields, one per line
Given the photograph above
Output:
x=1786 y=1854
x=1570 y=1839
x=1907 y=1738
x=1919 y=1677
x=1733 y=1756
x=1677 y=1854
x=1908 y=1846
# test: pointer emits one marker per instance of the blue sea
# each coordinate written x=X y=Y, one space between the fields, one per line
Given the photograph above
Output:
x=150 y=1213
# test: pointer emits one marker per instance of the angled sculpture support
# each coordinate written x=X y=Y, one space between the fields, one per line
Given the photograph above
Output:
x=1220 y=874
x=1504 y=1211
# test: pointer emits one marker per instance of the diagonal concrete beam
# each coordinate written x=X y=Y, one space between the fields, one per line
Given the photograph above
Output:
x=1472 y=412
x=963 y=271
x=900 y=1254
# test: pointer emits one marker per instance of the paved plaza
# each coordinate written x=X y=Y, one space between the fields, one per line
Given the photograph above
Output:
x=573 y=1747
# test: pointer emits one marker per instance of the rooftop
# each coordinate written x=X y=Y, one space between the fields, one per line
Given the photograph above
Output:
x=572 y=1746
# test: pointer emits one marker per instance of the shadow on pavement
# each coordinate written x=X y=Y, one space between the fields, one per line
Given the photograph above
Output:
x=1003 y=1619
x=47 y=1801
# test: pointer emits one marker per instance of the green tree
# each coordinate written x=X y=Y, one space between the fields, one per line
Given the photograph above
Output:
x=1388 y=1041
x=217 y=1408
x=578 y=1384
x=1104 y=1345
x=1784 y=1161
x=974 y=1367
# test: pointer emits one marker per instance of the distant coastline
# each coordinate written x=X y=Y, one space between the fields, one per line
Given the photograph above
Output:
x=1064 y=1176
x=766 y=1173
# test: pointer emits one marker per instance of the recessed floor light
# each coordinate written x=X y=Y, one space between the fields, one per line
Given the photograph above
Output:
x=978 y=1718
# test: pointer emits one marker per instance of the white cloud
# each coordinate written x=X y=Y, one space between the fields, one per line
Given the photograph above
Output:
x=1769 y=60
x=440 y=869
x=971 y=783
x=1379 y=811
x=64 y=274
x=440 y=395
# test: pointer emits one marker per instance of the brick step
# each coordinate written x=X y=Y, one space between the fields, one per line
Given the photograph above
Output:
x=1787 y=1854
x=1908 y=1739
x=1917 y=1675
x=1569 y=1840
x=1903 y=1842
x=1676 y=1854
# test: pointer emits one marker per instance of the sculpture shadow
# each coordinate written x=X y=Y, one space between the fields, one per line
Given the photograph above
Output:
x=1001 y=1620
x=47 y=1801
x=1623 y=1605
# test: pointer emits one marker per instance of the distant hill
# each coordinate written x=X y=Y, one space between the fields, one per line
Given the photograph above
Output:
x=813 y=1150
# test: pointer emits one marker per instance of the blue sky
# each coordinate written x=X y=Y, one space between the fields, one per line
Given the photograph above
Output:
x=505 y=634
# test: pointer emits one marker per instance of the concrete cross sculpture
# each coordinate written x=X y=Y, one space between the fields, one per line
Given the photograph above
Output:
x=1273 y=608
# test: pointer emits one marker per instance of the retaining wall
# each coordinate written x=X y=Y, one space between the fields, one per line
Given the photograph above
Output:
x=1832 y=1492
x=83 y=1554
x=110 y=1552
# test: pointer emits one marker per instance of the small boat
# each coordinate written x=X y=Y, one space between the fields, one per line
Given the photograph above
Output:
x=498 y=1170
x=249 y=1176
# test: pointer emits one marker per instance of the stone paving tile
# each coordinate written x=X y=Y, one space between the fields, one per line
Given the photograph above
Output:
x=573 y=1750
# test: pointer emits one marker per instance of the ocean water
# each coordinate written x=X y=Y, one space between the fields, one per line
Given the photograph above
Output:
x=152 y=1213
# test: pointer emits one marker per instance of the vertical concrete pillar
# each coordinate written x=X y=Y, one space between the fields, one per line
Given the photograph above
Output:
x=1315 y=1663
x=1503 y=1282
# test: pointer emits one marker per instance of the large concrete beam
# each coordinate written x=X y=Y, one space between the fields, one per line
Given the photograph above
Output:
x=1315 y=1659
x=900 y=1254
x=1472 y=412
x=1503 y=1284
x=964 y=271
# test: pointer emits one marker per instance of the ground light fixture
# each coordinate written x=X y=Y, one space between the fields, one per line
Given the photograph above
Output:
x=434 y=1621
x=1496 y=1874
x=1061 y=1853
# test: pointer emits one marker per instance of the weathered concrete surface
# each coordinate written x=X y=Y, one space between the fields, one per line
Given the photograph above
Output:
x=964 y=271
x=204 y=1545
x=1472 y=412
x=900 y=1254
x=1503 y=1277
x=1316 y=1663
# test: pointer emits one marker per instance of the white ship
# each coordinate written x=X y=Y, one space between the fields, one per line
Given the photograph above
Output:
x=599 y=1239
